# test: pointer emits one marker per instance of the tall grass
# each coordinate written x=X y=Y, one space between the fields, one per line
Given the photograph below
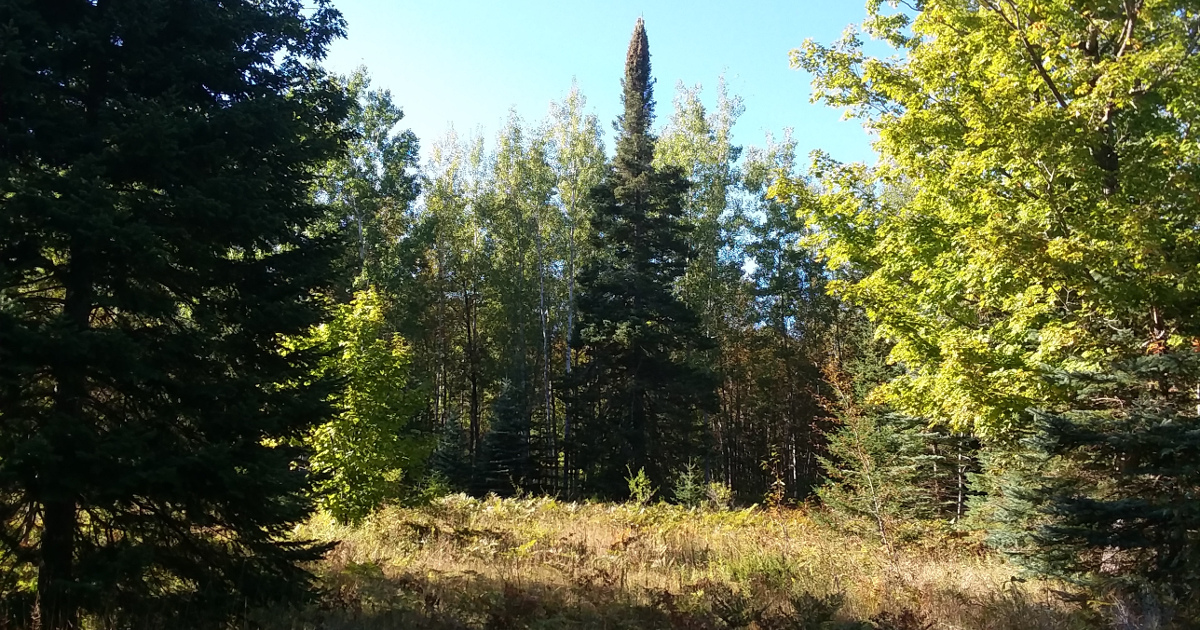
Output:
x=541 y=563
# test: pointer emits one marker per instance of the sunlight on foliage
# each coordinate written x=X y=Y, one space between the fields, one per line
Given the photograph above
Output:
x=369 y=452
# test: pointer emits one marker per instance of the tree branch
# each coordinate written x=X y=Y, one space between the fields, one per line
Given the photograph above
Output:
x=1033 y=56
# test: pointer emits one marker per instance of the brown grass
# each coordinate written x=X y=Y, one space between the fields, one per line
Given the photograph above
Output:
x=541 y=563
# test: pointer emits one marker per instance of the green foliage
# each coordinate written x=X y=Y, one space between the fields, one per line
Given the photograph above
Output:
x=885 y=468
x=1032 y=215
x=786 y=328
x=1034 y=201
x=158 y=244
x=689 y=488
x=641 y=489
x=487 y=295
x=451 y=458
x=718 y=495
x=370 y=187
x=447 y=308
x=639 y=397
x=1105 y=494
x=370 y=452
x=871 y=475
x=507 y=460
x=764 y=323
x=699 y=145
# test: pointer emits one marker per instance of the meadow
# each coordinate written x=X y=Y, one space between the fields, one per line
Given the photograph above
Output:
x=495 y=564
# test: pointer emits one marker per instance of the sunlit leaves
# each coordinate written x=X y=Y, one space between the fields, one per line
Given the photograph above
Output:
x=1045 y=154
x=366 y=453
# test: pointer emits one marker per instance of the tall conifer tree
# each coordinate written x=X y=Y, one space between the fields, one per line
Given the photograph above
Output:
x=638 y=398
x=156 y=250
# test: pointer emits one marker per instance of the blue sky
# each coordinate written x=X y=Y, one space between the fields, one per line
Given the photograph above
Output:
x=467 y=63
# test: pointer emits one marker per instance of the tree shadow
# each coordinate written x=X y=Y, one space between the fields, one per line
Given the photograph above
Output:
x=363 y=597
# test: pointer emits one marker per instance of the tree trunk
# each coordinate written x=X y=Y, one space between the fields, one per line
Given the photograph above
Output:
x=566 y=446
x=551 y=446
x=473 y=374
x=56 y=606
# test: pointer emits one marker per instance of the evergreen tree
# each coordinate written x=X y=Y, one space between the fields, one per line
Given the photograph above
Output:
x=451 y=458
x=1105 y=495
x=156 y=249
x=507 y=456
x=885 y=468
x=637 y=399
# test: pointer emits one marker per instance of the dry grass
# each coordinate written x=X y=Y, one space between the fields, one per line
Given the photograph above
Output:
x=541 y=563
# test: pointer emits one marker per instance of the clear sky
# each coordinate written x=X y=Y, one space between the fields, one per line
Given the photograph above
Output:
x=467 y=62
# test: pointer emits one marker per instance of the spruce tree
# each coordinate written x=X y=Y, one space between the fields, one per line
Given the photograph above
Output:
x=638 y=397
x=1104 y=495
x=156 y=252
x=507 y=462
x=885 y=468
x=450 y=461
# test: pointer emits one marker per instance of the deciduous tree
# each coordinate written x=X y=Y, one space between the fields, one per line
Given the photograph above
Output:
x=1051 y=223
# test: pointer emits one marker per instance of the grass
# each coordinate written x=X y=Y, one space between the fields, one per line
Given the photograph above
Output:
x=540 y=563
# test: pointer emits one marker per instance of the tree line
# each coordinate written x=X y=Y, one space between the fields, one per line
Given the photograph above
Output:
x=568 y=319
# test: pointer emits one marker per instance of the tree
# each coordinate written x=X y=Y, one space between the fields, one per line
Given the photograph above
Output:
x=771 y=428
x=577 y=159
x=1051 y=222
x=520 y=225
x=699 y=144
x=507 y=461
x=157 y=246
x=884 y=468
x=1049 y=228
x=445 y=300
x=637 y=398
x=371 y=448
x=870 y=468
x=371 y=187
x=1104 y=495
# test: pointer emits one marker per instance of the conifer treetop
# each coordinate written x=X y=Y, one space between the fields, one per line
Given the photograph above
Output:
x=635 y=148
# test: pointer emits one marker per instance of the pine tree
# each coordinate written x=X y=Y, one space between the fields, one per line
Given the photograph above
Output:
x=637 y=400
x=1105 y=495
x=451 y=459
x=156 y=250
x=507 y=460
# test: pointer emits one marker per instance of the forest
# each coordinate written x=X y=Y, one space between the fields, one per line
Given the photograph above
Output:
x=262 y=365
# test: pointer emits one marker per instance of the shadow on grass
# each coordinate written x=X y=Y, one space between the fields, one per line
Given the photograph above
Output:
x=361 y=596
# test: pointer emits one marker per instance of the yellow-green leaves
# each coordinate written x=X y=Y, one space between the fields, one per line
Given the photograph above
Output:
x=1033 y=206
x=367 y=452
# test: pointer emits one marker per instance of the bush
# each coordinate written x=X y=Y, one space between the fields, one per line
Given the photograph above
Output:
x=719 y=495
x=640 y=490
